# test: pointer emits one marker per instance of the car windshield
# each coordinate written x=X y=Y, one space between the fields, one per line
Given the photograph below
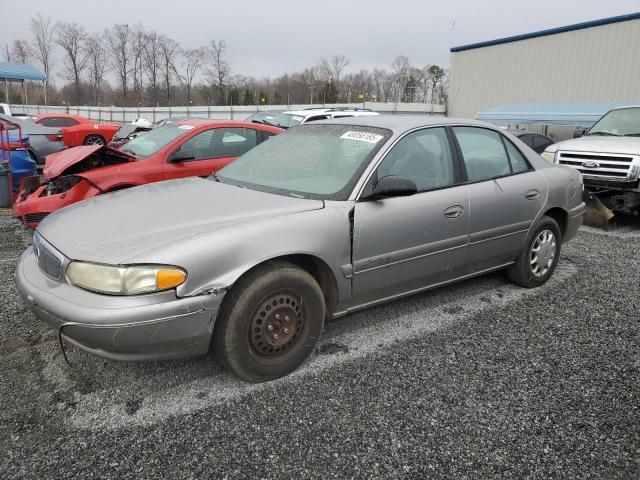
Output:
x=286 y=120
x=154 y=140
x=309 y=161
x=621 y=122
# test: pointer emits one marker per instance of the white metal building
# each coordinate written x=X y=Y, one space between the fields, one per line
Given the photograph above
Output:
x=596 y=61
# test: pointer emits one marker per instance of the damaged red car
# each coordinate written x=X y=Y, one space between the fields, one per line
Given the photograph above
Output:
x=77 y=130
x=177 y=149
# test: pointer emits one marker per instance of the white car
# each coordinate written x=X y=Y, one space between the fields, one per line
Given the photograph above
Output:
x=298 y=117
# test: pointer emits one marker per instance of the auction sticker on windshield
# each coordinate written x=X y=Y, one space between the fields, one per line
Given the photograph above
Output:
x=362 y=136
x=186 y=127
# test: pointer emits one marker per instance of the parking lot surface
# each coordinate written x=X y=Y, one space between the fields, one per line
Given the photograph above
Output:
x=478 y=380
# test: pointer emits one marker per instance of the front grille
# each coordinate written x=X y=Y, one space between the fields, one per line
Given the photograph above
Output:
x=606 y=165
x=51 y=261
x=35 y=217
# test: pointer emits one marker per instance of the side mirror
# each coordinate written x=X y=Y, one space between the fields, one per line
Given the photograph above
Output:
x=579 y=132
x=393 y=186
x=181 y=156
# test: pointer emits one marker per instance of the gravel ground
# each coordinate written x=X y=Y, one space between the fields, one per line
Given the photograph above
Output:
x=478 y=380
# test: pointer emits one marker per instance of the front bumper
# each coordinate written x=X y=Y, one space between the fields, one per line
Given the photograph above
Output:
x=32 y=208
x=157 y=326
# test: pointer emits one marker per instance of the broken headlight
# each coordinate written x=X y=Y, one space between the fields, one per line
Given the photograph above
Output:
x=124 y=280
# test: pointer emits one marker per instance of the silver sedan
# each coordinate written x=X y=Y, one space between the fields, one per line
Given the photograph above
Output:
x=326 y=219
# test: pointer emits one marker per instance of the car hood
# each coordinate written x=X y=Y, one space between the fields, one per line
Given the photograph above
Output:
x=118 y=227
x=622 y=145
x=57 y=164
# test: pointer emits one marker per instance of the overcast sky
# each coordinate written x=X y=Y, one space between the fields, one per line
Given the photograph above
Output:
x=267 y=38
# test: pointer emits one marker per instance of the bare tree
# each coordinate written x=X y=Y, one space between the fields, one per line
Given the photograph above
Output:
x=42 y=30
x=7 y=53
x=193 y=60
x=118 y=41
x=219 y=70
x=169 y=51
x=71 y=37
x=401 y=71
x=334 y=66
x=152 y=62
x=96 y=64
x=21 y=51
x=138 y=39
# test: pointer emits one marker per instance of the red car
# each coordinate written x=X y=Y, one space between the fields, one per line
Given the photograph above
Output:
x=177 y=149
x=77 y=130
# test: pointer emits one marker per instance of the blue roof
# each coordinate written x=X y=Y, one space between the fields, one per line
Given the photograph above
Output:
x=21 y=71
x=582 y=114
x=551 y=31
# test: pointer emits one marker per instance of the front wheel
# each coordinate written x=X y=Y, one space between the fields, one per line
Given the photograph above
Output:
x=535 y=265
x=94 y=140
x=270 y=322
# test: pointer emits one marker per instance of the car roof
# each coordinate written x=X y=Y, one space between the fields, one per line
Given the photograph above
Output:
x=307 y=112
x=401 y=123
x=65 y=115
x=624 y=106
x=203 y=122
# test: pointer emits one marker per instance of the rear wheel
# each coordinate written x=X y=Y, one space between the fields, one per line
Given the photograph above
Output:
x=94 y=140
x=539 y=258
x=270 y=322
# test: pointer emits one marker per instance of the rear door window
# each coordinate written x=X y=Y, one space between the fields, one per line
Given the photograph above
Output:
x=484 y=154
x=221 y=142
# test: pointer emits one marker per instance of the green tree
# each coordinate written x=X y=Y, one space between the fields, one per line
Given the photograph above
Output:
x=234 y=97
x=277 y=99
x=264 y=98
x=248 y=97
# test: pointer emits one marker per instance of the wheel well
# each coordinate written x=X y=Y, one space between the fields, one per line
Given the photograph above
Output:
x=93 y=135
x=318 y=269
x=560 y=216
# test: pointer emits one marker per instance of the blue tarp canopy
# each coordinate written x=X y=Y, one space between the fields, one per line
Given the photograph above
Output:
x=21 y=71
x=582 y=114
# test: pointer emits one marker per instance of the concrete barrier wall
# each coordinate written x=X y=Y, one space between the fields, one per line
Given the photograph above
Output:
x=122 y=115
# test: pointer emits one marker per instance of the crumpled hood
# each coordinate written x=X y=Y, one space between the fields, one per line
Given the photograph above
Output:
x=117 y=227
x=600 y=144
x=57 y=164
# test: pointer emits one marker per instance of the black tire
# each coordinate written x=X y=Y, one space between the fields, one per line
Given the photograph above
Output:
x=527 y=271
x=94 y=140
x=269 y=323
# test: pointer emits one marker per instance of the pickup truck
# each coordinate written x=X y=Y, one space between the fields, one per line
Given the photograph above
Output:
x=608 y=157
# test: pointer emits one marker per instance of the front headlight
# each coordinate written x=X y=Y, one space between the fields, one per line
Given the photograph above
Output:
x=124 y=280
x=548 y=156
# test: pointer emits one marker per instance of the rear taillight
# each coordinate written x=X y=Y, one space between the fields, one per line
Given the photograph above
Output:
x=54 y=138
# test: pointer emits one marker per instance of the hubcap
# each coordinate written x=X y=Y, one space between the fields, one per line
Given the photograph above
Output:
x=543 y=253
x=94 y=141
x=276 y=324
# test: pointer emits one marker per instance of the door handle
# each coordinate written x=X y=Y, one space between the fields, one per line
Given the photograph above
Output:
x=454 y=211
x=532 y=194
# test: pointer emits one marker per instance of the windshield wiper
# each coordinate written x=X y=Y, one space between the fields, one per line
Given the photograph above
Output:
x=215 y=176
x=604 y=134
x=631 y=135
x=267 y=122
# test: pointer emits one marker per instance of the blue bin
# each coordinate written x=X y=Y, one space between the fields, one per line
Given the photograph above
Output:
x=22 y=165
